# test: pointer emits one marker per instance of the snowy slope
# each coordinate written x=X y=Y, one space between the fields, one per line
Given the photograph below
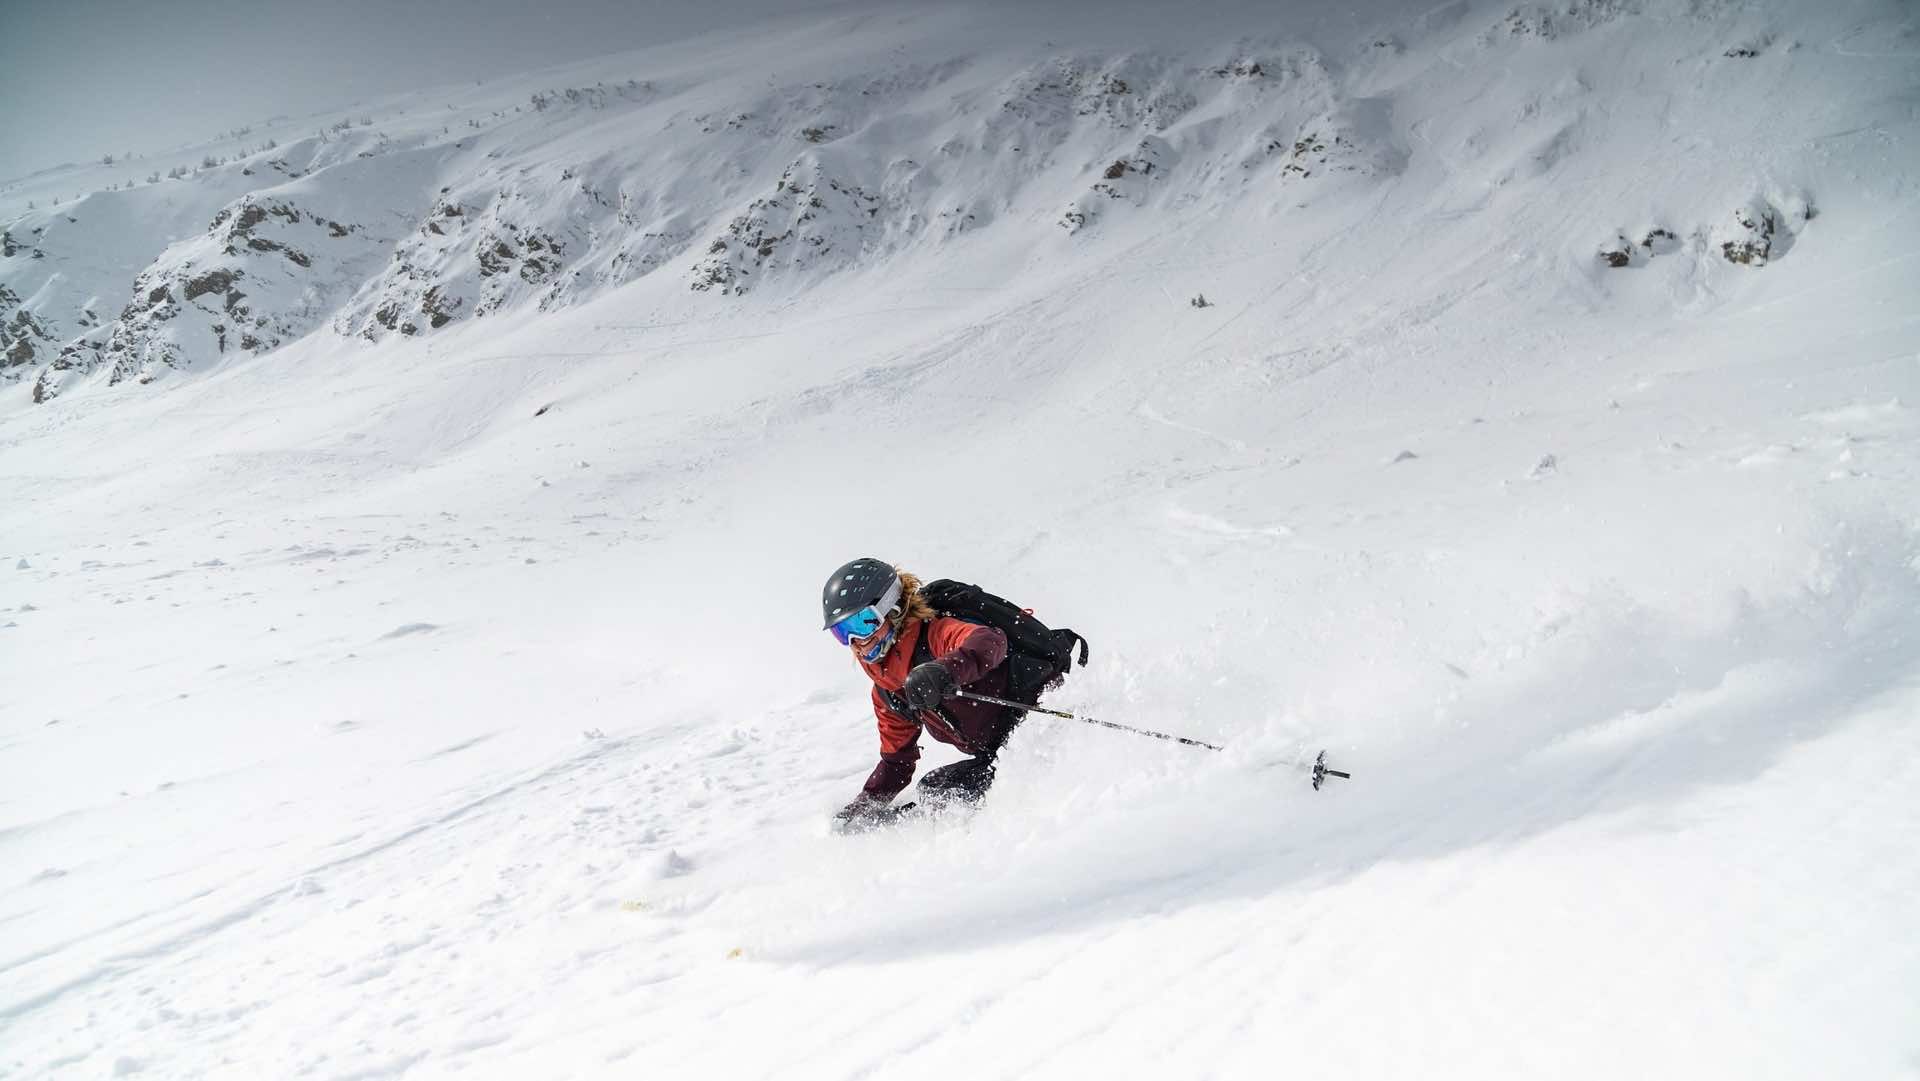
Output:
x=445 y=702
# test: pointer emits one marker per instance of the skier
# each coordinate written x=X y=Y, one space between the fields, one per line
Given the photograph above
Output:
x=919 y=660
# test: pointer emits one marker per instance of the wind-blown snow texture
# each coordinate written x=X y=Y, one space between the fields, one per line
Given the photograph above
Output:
x=410 y=539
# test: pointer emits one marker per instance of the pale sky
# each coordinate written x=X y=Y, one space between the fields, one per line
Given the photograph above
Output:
x=82 y=78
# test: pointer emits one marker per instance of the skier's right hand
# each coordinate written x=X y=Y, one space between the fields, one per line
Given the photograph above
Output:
x=927 y=686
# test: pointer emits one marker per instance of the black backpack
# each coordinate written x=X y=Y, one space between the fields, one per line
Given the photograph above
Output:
x=1038 y=657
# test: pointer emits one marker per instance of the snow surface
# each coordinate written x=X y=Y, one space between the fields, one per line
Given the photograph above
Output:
x=451 y=704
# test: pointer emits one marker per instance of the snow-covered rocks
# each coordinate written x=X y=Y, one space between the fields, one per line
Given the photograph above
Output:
x=543 y=235
x=813 y=219
x=22 y=337
x=461 y=260
x=1129 y=179
x=1550 y=22
x=264 y=273
x=1758 y=232
x=581 y=190
x=1753 y=234
x=1653 y=240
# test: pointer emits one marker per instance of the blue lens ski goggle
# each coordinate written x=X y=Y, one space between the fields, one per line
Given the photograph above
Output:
x=861 y=624
x=865 y=622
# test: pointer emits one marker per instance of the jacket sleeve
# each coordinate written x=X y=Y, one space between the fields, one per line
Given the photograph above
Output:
x=968 y=650
x=899 y=750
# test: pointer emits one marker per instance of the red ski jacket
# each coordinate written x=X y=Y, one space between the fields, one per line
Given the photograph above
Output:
x=975 y=655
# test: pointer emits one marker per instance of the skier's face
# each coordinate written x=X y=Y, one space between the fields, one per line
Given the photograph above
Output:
x=861 y=625
x=874 y=646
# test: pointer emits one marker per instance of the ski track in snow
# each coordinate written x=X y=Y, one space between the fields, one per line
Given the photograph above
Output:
x=449 y=706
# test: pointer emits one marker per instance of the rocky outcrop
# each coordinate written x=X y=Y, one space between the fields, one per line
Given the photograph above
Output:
x=474 y=254
x=1758 y=232
x=1548 y=22
x=255 y=280
x=23 y=339
x=482 y=233
x=1130 y=179
x=813 y=218
x=730 y=191
x=1753 y=234
x=1622 y=252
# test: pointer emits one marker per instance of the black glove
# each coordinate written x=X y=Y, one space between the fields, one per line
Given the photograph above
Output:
x=866 y=813
x=928 y=685
x=864 y=807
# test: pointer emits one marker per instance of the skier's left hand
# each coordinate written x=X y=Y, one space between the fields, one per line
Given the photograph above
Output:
x=866 y=813
x=928 y=685
x=863 y=808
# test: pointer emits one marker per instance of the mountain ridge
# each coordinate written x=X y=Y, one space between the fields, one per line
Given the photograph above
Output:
x=584 y=189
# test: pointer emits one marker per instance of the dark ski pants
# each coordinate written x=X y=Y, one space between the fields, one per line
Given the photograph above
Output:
x=967 y=779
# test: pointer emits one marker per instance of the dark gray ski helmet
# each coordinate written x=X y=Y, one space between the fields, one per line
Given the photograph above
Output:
x=854 y=586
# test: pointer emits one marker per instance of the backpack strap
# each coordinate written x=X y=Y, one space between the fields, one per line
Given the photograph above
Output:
x=1066 y=639
x=922 y=653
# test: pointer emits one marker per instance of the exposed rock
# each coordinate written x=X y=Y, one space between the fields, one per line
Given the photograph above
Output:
x=1125 y=92
x=519 y=229
x=1762 y=232
x=597 y=96
x=1621 y=252
x=439 y=310
x=1125 y=179
x=812 y=218
x=188 y=306
x=214 y=281
x=1755 y=244
x=1241 y=69
x=23 y=336
x=1548 y=22
x=1660 y=241
x=474 y=257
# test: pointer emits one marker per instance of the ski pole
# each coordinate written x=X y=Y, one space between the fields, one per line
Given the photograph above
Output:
x=1319 y=768
x=1089 y=720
